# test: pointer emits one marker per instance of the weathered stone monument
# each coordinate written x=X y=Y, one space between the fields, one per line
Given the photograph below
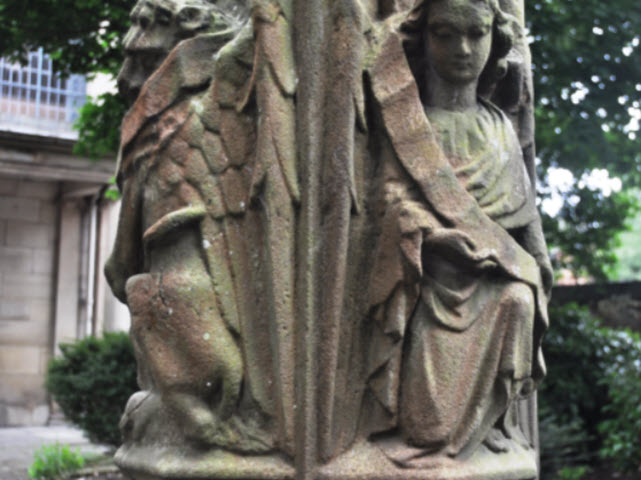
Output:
x=329 y=242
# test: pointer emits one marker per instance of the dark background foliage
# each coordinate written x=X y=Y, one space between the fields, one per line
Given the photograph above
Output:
x=590 y=401
x=82 y=36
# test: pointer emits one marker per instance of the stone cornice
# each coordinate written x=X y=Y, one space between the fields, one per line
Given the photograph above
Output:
x=40 y=157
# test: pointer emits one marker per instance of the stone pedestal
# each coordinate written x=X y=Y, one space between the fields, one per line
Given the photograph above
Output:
x=363 y=462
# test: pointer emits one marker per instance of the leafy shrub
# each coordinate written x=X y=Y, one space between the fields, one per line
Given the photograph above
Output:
x=572 y=473
x=97 y=136
x=91 y=381
x=573 y=389
x=53 y=461
x=621 y=431
x=564 y=446
x=590 y=401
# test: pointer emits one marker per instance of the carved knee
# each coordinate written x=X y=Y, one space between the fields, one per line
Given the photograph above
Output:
x=520 y=297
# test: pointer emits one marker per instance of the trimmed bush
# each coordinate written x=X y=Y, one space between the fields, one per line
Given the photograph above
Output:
x=91 y=381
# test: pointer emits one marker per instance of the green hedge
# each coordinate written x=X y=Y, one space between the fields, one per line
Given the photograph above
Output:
x=590 y=402
x=91 y=381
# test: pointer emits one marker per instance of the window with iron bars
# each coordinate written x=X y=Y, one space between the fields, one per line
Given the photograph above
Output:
x=35 y=96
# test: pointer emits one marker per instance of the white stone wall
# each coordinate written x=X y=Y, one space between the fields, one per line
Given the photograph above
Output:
x=28 y=226
x=113 y=316
x=46 y=296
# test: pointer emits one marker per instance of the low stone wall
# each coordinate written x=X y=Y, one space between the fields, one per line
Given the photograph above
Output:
x=617 y=304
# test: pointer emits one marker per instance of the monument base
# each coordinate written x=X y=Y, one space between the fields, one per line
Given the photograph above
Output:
x=365 y=461
x=173 y=463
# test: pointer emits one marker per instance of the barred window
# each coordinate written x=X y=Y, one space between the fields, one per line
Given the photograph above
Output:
x=36 y=91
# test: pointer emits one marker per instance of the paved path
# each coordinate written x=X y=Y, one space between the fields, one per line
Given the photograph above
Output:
x=18 y=444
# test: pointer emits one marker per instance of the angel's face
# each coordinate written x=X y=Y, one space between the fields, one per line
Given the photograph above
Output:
x=459 y=39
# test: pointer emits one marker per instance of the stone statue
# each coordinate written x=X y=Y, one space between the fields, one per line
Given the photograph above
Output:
x=328 y=241
x=189 y=258
x=461 y=279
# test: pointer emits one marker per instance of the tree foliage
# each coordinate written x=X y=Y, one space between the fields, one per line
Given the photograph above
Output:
x=82 y=36
x=99 y=126
x=587 y=74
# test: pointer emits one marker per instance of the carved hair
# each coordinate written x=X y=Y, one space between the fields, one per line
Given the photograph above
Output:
x=415 y=26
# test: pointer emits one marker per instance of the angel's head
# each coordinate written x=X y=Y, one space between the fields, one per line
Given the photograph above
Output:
x=158 y=25
x=462 y=41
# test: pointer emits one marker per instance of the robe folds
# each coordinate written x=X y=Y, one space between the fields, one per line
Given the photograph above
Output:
x=457 y=304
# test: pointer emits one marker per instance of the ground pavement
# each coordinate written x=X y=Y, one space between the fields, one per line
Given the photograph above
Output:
x=18 y=444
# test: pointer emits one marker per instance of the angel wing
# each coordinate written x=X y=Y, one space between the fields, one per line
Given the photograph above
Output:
x=242 y=129
x=188 y=156
x=248 y=233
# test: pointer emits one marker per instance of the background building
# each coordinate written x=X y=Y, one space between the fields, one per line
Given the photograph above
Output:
x=55 y=232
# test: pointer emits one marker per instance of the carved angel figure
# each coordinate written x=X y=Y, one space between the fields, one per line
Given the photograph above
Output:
x=189 y=259
x=460 y=283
